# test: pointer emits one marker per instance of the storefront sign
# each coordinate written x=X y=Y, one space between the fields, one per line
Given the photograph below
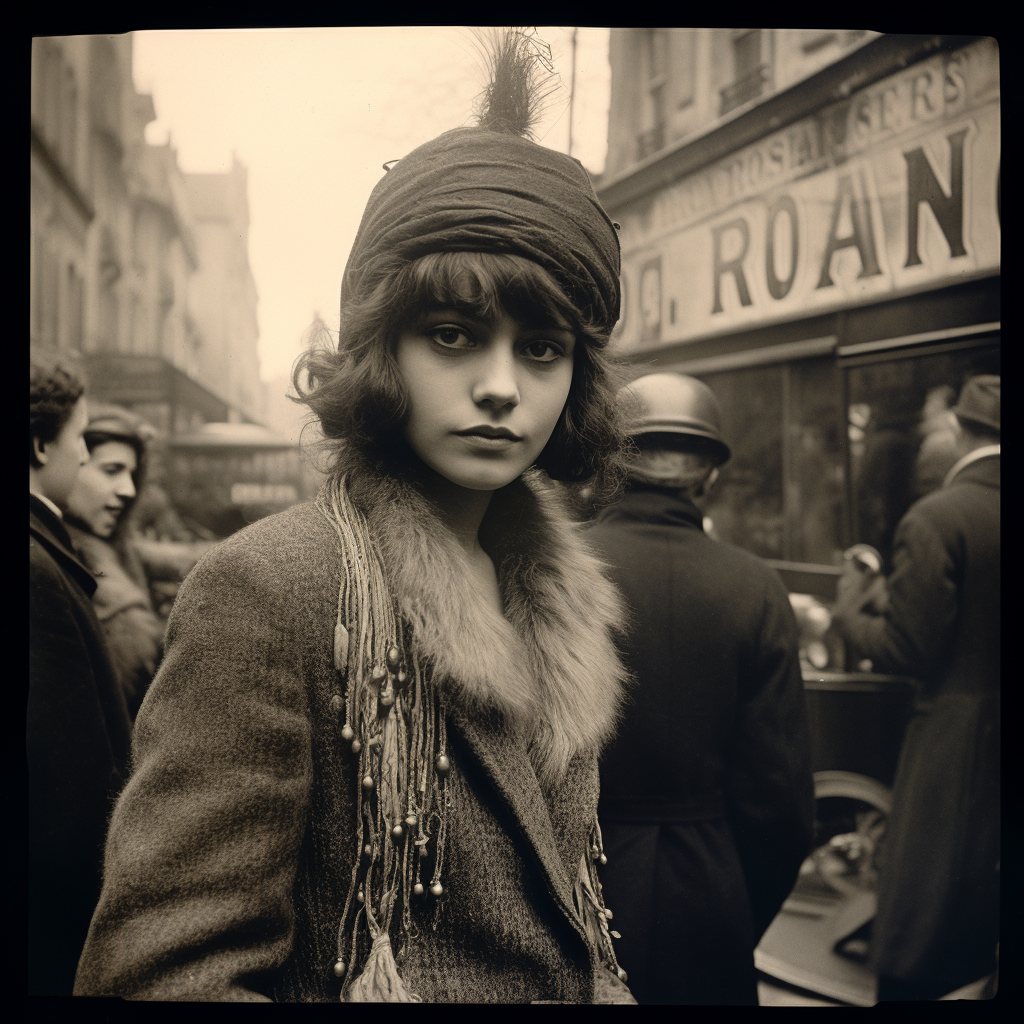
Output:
x=891 y=191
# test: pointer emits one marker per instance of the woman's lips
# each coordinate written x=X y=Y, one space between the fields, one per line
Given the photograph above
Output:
x=489 y=438
x=489 y=443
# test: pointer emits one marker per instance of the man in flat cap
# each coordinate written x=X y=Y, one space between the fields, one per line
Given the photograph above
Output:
x=938 y=890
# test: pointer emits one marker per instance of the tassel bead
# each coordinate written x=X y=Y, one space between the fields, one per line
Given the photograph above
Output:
x=397 y=831
x=360 y=897
x=437 y=888
x=340 y=647
x=339 y=968
x=443 y=764
x=367 y=782
x=393 y=657
x=614 y=934
x=337 y=703
x=367 y=850
x=603 y=859
x=401 y=677
x=418 y=888
x=411 y=820
x=356 y=746
x=347 y=732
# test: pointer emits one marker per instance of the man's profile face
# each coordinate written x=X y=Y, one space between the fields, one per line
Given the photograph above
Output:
x=63 y=457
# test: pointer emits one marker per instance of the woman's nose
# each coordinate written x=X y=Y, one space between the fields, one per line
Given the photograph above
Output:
x=497 y=385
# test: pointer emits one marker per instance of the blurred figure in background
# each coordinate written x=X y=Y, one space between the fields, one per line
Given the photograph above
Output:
x=938 y=449
x=938 y=895
x=707 y=801
x=167 y=545
x=98 y=522
x=78 y=728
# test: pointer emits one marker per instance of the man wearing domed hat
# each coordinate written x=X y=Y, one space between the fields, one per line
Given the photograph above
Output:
x=938 y=891
x=706 y=794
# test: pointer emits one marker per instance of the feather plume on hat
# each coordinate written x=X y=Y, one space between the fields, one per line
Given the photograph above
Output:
x=520 y=80
x=492 y=188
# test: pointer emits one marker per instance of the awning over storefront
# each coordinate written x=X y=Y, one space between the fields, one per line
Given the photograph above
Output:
x=135 y=379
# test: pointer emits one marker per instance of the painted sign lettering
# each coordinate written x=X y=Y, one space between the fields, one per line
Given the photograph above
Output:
x=891 y=191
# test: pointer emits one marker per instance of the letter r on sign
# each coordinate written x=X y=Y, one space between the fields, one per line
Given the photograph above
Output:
x=733 y=266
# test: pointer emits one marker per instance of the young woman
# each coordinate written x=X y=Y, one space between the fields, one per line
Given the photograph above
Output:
x=97 y=519
x=367 y=766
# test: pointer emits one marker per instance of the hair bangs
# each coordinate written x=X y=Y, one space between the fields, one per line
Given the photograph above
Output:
x=485 y=284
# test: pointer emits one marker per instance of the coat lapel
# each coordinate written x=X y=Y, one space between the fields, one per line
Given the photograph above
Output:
x=513 y=777
x=53 y=535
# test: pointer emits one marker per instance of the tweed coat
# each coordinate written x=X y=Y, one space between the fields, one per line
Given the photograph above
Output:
x=231 y=851
x=77 y=744
x=938 y=889
x=706 y=793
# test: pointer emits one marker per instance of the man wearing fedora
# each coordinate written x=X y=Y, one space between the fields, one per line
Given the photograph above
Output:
x=707 y=801
x=938 y=890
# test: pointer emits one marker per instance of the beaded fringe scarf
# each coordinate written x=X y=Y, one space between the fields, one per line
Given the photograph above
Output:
x=394 y=723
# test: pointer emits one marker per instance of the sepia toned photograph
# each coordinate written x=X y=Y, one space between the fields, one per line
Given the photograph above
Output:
x=514 y=517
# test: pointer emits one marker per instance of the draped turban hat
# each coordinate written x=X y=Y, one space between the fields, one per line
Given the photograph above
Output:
x=480 y=190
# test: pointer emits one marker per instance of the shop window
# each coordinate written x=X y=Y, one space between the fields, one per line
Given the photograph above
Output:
x=781 y=495
x=814 y=463
x=898 y=427
x=746 y=505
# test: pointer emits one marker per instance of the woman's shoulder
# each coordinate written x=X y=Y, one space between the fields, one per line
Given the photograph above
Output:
x=288 y=548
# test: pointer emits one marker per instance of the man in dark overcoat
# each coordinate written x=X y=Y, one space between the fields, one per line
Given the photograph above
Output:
x=938 y=892
x=707 y=800
x=78 y=730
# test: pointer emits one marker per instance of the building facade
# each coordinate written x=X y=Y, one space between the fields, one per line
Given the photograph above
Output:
x=141 y=268
x=810 y=222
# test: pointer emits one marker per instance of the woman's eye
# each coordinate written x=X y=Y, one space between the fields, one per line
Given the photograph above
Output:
x=542 y=351
x=450 y=337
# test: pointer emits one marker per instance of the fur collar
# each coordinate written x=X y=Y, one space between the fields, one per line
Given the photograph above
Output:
x=550 y=664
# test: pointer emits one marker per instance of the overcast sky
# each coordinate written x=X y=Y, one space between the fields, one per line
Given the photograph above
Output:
x=313 y=114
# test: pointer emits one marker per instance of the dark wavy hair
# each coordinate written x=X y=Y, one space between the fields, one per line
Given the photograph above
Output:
x=356 y=389
x=56 y=383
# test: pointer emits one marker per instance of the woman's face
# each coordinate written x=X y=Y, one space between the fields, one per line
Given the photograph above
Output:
x=485 y=394
x=104 y=487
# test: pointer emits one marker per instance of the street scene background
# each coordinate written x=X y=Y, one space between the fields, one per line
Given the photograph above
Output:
x=809 y=219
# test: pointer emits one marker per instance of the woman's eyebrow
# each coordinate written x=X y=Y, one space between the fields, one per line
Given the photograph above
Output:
x=462 y=309
x=472 y=311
